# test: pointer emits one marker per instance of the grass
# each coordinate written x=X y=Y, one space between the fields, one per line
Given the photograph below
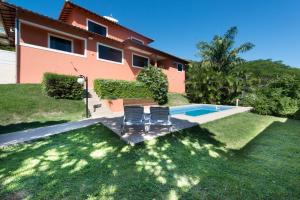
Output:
x=23 y=106
x=245 y=156
x=176 y=99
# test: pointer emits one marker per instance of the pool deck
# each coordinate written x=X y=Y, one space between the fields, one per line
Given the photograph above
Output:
x=136 y=135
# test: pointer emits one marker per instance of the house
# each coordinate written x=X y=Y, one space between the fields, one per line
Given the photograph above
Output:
x=83 y=42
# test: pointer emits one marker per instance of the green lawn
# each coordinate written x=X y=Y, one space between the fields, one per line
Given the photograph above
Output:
x=24 y=106
x=176 y=99
x=245 y=156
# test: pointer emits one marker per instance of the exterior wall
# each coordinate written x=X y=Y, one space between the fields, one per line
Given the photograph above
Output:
x=37 y=36
x=176 y=78
x=35 y=61
x=79 y=18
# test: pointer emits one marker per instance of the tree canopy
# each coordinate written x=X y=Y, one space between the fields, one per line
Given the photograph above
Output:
x=220 y=54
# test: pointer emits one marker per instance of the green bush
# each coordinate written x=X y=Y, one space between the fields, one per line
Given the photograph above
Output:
x=287 y=106
x=259 y=102
x=62 y=86
x=112 y=89
x=157 y=83
x=280 y=98
x=205 y=85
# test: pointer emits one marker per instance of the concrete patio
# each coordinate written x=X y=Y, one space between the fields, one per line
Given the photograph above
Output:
x=134 y=135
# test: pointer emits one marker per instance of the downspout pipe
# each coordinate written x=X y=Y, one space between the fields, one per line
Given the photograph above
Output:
x=17 y=46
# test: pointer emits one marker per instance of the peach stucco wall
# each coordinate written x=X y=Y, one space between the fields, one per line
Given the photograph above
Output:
x=34 y=62
x=37 y=36
x=78 y=18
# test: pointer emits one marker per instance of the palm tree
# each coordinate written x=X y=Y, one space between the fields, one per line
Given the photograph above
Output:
x=220 y=55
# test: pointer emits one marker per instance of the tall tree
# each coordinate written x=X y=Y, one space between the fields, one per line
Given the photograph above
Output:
x=217 y=79
x=219 y=54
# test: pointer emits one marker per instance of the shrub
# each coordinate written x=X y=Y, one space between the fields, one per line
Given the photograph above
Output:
x=259 y=102
x=157 y=83
x=280 y=98
x=205 y=85
x=61 y=86
x=287 y=106
x=112 y=89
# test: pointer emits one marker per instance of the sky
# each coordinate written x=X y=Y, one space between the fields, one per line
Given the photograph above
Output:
x=273 y=26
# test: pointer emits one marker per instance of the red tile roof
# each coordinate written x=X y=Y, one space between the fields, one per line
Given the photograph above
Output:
x=129 y=42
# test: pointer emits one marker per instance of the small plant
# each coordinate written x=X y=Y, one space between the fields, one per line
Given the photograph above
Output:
x=61 y=86
x=157 y=83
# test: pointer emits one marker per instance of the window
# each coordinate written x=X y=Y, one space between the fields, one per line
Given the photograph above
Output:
x=179 y=67
x=97 y=28
x=137 y=40
x=139 y=61
x=110 y=54
x=60 y=43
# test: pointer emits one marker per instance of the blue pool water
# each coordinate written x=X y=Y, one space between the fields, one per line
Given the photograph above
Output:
x=197 y=110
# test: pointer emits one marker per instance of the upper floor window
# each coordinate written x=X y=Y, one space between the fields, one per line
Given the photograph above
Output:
x=109 y=53
x=137 y=40
x=60 y=43
x=179 y=67
x=96 y=28
x=139 y=61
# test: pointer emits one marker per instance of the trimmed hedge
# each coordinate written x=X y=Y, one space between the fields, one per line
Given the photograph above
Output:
x=62 y=86
x=113 y=89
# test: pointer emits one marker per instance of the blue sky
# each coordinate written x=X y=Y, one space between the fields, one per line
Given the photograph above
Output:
x=177 y=25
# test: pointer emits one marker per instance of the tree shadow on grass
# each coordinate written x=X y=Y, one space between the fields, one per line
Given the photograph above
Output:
x=27 y=125
x=94 y=163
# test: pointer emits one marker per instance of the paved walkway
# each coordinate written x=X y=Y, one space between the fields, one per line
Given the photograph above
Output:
x=36 y=133
x=113 y=122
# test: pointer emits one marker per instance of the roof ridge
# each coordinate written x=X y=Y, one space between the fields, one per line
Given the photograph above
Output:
x=98 y=15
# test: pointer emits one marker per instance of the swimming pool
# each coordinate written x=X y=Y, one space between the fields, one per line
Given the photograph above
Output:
x=197 y=110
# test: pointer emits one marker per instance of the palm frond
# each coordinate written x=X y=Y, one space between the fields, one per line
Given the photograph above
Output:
x=244 y=47
x=231 y=33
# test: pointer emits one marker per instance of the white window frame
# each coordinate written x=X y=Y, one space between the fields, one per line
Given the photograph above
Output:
x=140 y=56
x=137 y=39
x=61 y=37
x=110 y=61
x=182 y=67
x=21 y=21
x=87 y=25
